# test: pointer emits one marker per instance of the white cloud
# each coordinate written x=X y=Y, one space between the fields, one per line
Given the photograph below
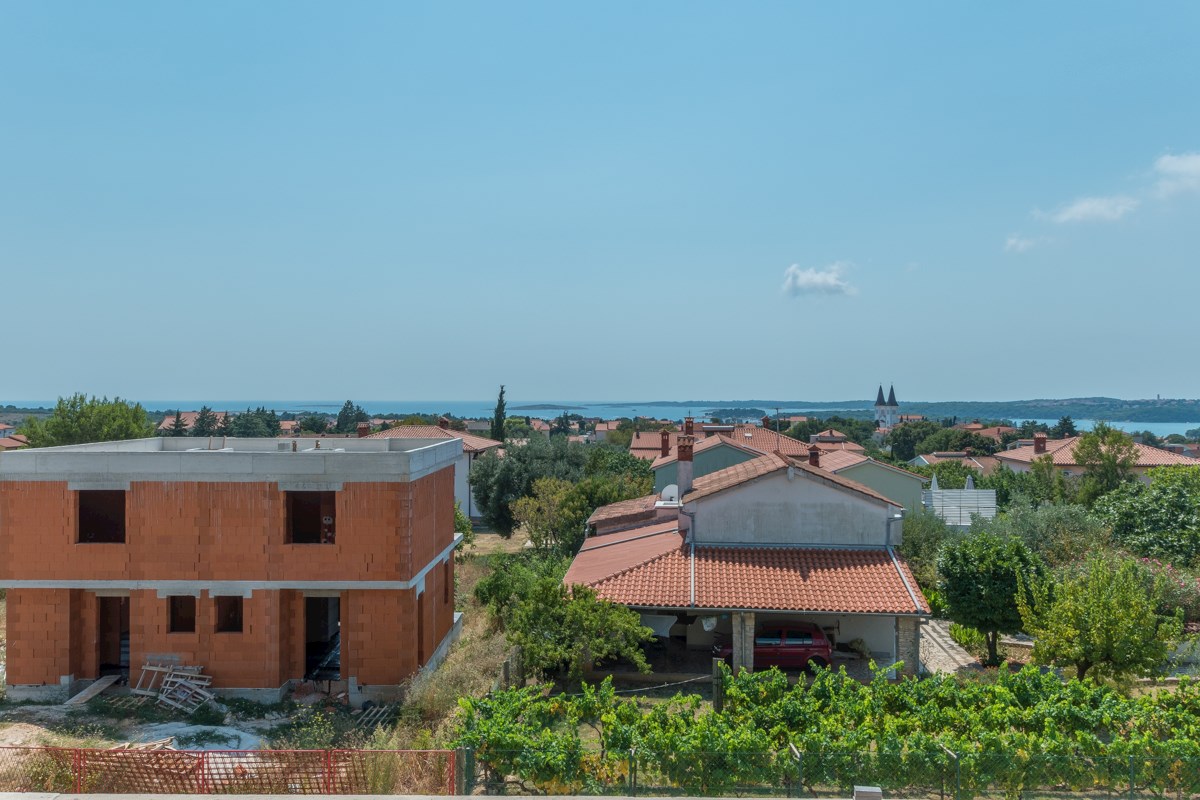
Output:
x=1095 y=209
x=1016 y=243
x=1177 y=174
x=827 y=280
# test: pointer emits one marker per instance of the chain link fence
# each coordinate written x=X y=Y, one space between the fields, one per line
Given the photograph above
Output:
x=76 y=770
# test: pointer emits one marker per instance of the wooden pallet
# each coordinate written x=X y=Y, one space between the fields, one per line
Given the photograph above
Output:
x=183 y=694
x=376 y=716
x=150 y=683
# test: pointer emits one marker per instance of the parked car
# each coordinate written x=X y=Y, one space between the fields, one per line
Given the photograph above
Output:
x=788 y=645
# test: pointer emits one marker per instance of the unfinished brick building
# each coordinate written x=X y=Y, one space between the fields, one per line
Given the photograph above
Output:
x=265 y=561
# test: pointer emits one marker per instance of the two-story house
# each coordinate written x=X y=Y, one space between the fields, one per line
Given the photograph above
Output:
x=262 y=560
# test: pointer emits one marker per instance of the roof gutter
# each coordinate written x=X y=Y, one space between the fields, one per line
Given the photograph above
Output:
x=900 y=571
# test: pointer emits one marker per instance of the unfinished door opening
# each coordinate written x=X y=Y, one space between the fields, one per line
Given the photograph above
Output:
x=311 y=517
x=421 y=629
x=112 y=637
x=322 y=638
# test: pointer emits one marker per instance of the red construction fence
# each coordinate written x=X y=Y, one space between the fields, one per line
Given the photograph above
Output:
x=75 y=770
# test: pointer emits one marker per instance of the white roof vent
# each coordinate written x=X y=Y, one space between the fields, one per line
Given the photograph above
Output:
x=669 y=494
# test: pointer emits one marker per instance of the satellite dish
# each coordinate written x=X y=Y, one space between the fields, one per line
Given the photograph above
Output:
x=670 y=493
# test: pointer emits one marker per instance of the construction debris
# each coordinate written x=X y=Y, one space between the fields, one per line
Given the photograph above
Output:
x=182 y=687
x=93 y=690
x=375 y=716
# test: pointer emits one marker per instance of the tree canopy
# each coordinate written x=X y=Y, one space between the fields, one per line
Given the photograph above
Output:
x=499 y=482
x=349 y=417
x=79 y=419
x=982 y=575
x=1104 y=618
x=498 y=417
x=1107 y=456
x=1160 y=520
x=206 y=422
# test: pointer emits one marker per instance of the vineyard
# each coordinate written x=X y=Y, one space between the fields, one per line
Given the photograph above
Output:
x=1019 y=733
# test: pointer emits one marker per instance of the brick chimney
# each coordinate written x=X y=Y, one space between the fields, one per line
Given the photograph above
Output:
x=814 y=457
x=443 y=423
x=683 y=473
x=687 y=427
x=666 y=443
x=766 y=422
x=364 y=429
x=1039 y=444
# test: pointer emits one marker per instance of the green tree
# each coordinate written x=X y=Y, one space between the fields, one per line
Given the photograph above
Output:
x=178 y=426
x=313 y=423
x=253 y=423
x=1064 y=428
x=953 y=440
x=1107 y=456
x=560 y=628
x=463 y=527
x=925 y=534
x=982 y=575
x=1159 y=520
x=561 y=425
x=1059 y=534
x=498 y=417
x=79 y=419
x=903 y=439
x=349 y=417
x=498 y=482
x=542 y=513
x=225 y=426
x=206 y=422
x=1104 y=619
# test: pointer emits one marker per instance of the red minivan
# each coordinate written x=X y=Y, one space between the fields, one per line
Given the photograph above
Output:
x=787 y=645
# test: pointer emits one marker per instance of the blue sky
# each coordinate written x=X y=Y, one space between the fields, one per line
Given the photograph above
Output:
x=599 y=201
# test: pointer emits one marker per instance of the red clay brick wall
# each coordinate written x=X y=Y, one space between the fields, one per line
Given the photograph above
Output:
x=252 y=659
x=227 y=531
x=39 y=636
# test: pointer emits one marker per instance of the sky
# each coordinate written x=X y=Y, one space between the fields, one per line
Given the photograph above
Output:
x=604 y=201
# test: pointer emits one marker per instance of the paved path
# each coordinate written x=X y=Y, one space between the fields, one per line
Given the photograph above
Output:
x=940 y=653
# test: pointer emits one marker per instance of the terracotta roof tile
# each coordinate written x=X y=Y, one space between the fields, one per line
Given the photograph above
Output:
x=766 y=441
x=834 y=460
x=765 y=465
x=471 y=442
x=655 y=572
x=9 y=443
x=624 y=510
x=707 y=443
x=1062 y=452
x=605 y=557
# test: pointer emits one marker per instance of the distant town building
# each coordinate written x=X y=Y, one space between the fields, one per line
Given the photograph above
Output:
x=887 y=412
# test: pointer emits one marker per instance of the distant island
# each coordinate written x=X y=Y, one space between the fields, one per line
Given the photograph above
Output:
x=548 y=407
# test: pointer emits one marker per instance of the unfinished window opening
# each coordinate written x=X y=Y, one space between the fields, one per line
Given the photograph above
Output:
x=181 y=613
x=112 y=638
x=447 y=582
x=101 y=516
x=229 y=614
x=421 y=629
x=311 y=517
x=322 y=639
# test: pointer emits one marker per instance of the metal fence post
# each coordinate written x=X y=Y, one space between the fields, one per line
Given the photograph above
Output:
x=202 y=788
x=799 y=758
x=957 y=771
x=633 y=772
x=718 y=686
x=329 y=772
x=1132 y=778
x=78 y=760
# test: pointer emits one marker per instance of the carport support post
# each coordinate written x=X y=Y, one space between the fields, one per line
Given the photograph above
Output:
x=743 y=641
x=718 y=686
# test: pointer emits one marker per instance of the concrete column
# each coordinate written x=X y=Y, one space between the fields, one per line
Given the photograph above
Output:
x=743 y=641
x=908 y=638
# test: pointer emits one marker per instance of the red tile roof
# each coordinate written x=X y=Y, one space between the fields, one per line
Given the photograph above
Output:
x=10 y=443
x=738 y=474
x=4 y=426
x=834 y=460
x=624 y=511
x=707 y=443
x=655 y=571
x=471 y=442
x=985 y=464
x=189 y=419
x=648 y=444
x=1062 y=451
x=766 y=441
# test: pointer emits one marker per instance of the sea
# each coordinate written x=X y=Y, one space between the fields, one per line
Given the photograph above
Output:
x=547 y=409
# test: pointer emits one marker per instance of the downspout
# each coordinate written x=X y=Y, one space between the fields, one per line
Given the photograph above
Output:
x=692 y=552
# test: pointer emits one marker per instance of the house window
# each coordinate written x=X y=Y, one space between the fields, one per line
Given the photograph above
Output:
x=101 y=516
x=229 y=614
x=311 y=517
x=181 y=613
